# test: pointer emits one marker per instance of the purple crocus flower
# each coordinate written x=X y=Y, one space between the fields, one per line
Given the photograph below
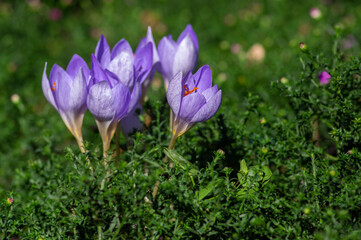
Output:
x=180 y=56
x=108 y=101
x=324 y=78
x=132 y=121
x=67 y=92
x=192 y=99
x=142 y=44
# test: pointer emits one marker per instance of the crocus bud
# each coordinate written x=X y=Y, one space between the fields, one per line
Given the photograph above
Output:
x=180 y=56
x=324 y=78
x=192 y=99
x=67 y=92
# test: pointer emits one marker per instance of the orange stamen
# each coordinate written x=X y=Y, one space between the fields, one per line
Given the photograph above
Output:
x=54 y=84
x=189 y=91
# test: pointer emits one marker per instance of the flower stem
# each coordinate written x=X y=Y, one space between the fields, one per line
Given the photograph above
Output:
x=172 y=142
x=117 y=143
x=80 y=142
x=106 y=146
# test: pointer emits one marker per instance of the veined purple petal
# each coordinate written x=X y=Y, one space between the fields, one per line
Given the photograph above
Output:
x=175 y=92
x=209 y=109
x=191 y=105
x=122 y=63
x=120 y=47
x=100 y=101
x=192 y=34
x=102 y=51
x=78 y=94
x=132 y=122
x=210 y=92
x=111 y=78
x=60 y=83
x=121 y=100
x=143 y=62
x=75 y=64
x=97 y=73
x=203 y=78
x=150 y=39
x=141 y=44
x=185 y=58
x=135 y=96
x=166 y=51
x=45 y=83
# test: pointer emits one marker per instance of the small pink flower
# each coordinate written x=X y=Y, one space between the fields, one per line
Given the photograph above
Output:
x=348 y=42
x=10 y=201
x=324 y=78
x=235 y=48
x=55 y=14
x=315 y=13
x=303 y=46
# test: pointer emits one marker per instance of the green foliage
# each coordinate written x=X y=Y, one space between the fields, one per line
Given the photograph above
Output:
x=274 y=163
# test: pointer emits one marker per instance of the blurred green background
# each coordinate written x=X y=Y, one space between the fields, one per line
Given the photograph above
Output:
x=247 y=44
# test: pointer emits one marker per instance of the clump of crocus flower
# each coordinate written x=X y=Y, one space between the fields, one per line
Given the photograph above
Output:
x=115 y=85
x=180 y=56
x=192 y=99
x=67 y=92
x=324 y=78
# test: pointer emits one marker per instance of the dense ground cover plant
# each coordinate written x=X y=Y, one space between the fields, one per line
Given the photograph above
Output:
x=263 y=167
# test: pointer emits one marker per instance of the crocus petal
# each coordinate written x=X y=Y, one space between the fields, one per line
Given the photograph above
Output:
x=143 y=62
x=135 y=96
x=191 y=105
x=192 y=34
x=203 y=78
x=102 y=51
x=47 y=89
x=181 y=126
x=100 y=101
x=175 y=93
x=111 y=78
x=78 y=93
x=122 y=63
x=60 y=82
x=151 y=40
x=97 y=73
x=210 y=92
x=166 y=51
x=185 y=58
x=209 y=109
x=75 y=64
x=120 y=47
x=132 y=122
x=121 y=96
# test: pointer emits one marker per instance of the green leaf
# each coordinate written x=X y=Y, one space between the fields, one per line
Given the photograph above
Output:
x=179 y=160
x=267 y=172
x=203 y=192
x=244 y=169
